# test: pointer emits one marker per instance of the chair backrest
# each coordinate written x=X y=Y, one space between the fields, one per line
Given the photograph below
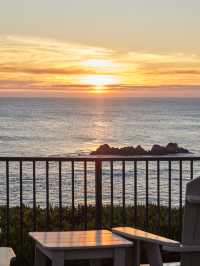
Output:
x=191 y=222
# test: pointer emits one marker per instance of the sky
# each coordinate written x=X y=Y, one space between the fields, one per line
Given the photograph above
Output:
x=109 y=47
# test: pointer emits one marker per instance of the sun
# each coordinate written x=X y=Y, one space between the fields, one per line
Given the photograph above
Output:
x=103 y=74
x=99 y=83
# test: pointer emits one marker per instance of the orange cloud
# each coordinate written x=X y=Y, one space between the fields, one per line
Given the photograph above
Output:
x=44 y=71
x=41 y=64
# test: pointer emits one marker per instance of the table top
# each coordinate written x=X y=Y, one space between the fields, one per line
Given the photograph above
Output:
x=6 y=254
x=136 y=234
x=80 y=239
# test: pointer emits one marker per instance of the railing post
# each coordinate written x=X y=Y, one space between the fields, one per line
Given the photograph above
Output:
x=7 y=204
x=98 y=193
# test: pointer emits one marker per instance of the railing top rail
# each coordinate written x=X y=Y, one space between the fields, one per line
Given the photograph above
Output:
x=104 y=158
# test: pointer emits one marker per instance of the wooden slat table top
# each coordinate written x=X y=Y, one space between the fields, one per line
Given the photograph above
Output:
x=6 y=254
x=136 y=234
x=79 y=239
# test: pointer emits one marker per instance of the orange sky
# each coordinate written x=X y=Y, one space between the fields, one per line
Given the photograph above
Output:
x=100 y=48
x=37 y=67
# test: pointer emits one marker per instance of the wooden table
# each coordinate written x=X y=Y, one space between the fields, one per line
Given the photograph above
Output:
x=80 y=245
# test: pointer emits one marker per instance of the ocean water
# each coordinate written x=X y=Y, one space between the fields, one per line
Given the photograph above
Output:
x=62 y=127
x=45 y=127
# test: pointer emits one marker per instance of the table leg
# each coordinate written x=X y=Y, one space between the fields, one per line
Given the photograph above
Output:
x=58 y=259
x=133 y=255
x=153 y=254
x=129 y=257
x=40 y=259
x=95 y=263
x=57 y=262
x=136 y=252
x=120 y=257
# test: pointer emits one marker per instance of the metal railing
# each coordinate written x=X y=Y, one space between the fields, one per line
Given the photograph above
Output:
x=138 y=188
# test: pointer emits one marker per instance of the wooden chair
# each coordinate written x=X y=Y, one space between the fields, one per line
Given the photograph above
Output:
x=7 y=256
x=189 y=248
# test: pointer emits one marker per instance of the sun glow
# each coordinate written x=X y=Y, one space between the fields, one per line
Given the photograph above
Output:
x=99 y=80
x=105 y=74
x=99 y=89
x=61 y=68
x=99 y=63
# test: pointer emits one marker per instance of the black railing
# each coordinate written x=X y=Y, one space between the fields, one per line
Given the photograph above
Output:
x=117 y=182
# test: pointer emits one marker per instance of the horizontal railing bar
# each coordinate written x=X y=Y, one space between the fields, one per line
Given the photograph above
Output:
x=104 y=158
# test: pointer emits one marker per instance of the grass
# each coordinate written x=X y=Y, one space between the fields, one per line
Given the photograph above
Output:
x=24 y=247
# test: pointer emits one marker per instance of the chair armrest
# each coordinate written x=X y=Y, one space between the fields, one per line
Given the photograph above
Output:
x=193 y=199
x=182 y=248
x=136 y=234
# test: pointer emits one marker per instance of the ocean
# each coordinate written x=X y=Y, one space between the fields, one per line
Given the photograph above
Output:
x=64 y=126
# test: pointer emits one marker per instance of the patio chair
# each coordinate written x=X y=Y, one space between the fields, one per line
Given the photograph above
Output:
x=7 y=256
x=189 y=248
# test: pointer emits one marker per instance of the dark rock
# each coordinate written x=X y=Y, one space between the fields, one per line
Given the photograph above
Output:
x=128 y=150
x=102 y=149
x=171 y=148
x=140 y=151
x=183 y=150
x=157 y=150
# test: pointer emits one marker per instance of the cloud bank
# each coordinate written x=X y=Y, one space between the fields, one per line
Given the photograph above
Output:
x=31 y=65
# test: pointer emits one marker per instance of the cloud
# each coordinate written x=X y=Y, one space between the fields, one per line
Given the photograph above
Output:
x=42 y=64
x=44 y=71
x=174 y=72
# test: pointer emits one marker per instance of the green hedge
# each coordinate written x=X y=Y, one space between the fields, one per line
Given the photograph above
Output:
x=25 y=250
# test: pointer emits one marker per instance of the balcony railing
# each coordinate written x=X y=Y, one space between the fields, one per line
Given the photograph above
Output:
x=92 y=182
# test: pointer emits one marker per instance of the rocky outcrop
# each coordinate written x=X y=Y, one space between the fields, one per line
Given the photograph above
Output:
x=170 y=148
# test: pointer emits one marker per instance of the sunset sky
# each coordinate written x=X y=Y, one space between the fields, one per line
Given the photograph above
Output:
x=100 y=47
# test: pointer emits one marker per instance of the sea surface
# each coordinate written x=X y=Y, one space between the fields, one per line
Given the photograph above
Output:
x=63 y=127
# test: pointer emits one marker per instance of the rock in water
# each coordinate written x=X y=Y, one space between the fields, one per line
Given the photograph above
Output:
x=140 y=151
x=170 y=148
x=158 y=150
